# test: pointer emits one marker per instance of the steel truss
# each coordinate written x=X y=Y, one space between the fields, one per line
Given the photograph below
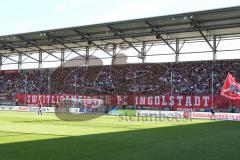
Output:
x=174 y=31
x=93 y=48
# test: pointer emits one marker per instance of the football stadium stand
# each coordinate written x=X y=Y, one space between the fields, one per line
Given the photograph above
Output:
x=79 y=53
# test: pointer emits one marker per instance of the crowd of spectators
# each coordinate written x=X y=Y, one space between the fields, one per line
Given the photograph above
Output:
x=199 y=78
x=139 y=79
x=23 y=82
x=187 y=78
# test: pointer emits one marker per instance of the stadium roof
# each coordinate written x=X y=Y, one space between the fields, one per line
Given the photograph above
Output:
x=194 y=25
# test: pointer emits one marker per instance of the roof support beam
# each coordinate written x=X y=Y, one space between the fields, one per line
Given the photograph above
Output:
x=214 y=48
x=91 y=42
x=25 y=55
x=7 y=57
x=40 y=59
x=159 y=36
x=62 y=57
x=143 y=55
x=195 y=24
x=114 y=56
x=177 y=51
x=119 y=34
x=0 y=62
x=64 y=45
x=16 y=50
x=20 y=61
x=87 y=57
x=205 y=38
x=33 y=43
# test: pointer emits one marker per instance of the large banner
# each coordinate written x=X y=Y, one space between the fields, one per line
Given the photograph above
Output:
x=26 y=109
x=218 y=116
x=9 y=72
x=171 y=115
x=48 y=100
x=175 y=101
x=141 y=113
x=231 y=88
x=193 y=115
x=121 y=100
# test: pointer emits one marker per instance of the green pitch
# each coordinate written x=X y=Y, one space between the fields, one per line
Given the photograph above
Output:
x=26 y=136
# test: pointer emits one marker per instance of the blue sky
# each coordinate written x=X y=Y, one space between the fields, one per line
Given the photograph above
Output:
x=19 y=16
